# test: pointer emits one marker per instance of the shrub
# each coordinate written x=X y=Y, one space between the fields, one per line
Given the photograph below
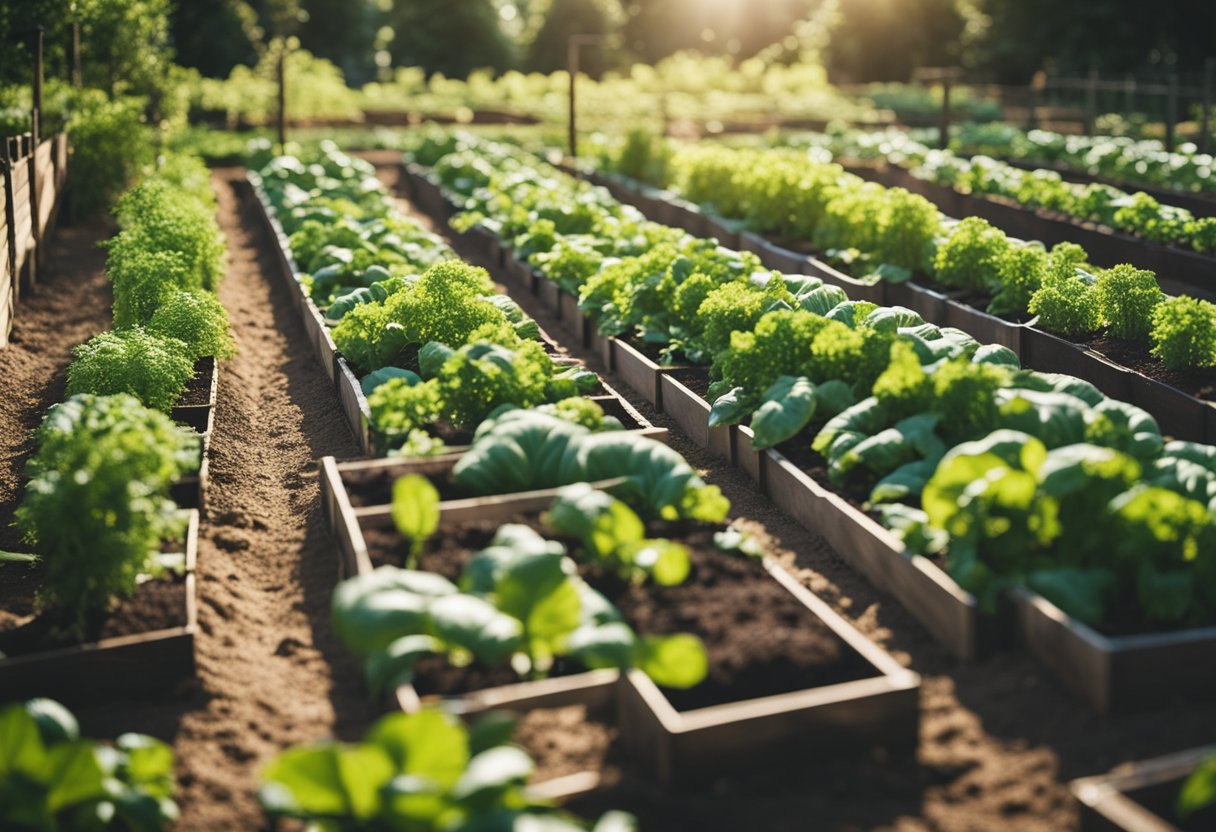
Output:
x=96 y=507
x=1066 y=305
x=110 y=143
x=153 y=369
x=1126 y=297
x=1184 y=333
x=198 y=320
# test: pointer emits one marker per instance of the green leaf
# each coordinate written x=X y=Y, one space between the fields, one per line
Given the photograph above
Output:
x=432 y=357
x=330 y=779
x=1081 y=593
x=1165 y=595
x=17 y=557
x=415 y=509
x=475 y=624
x=22 y=750
x=149 y=762
x=393 y=666
x=676 y=661
x=996 y=354
x=492 y=772
x=727 y=409
x=429 y=744
x=415 y=802
x=1199 y=790
x=55 y=722
x=491 y=730
x=75 y=775
x=667 y=562
x=789 y=405
x=373 y=380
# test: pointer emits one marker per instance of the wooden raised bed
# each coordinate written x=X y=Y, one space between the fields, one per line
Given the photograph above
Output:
x=1179 y=414
x=1140 y=797
x=191 y=491
x=1117 y=673
x=589 y=688
x=1179 y=270
x=124 y=666
x=685 y=747
x=358 y=413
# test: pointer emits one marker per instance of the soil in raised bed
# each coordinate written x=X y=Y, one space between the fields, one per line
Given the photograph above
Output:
x=1134 y=355
x=374 y=486
x=760 y=639
x=198 y=389
x=569 y=740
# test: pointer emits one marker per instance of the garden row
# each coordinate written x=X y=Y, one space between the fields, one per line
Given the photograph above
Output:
x=874 y=409
x=519 y=525
x=1114 y=226
x=899 y=249
x=111 y=512
x=1184 y=174
x=34 y=177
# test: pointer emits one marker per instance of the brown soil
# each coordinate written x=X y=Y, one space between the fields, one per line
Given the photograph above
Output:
x=198 y=389
x=567 y=740
x=374 y=486
x=999 y=739
x=270 y=672
x=1200 y=383
x=760 y=640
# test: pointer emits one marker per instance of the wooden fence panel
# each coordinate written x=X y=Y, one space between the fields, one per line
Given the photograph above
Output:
x=44 y=180
x=23 y=221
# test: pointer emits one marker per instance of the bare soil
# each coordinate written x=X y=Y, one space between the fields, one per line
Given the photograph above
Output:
x=999 y=739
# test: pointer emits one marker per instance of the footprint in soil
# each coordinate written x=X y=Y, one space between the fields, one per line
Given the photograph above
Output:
x=289 y=647
x=236 y=753
x=230 y=540
x=232 y=518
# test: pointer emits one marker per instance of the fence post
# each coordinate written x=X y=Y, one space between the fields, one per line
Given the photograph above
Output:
x=36 y=120
x=1205 y=123
x=76 y=76
x=572 y=75
x=943 y=135
x=1171 y=112
x=1091 y=101
x=282 y=78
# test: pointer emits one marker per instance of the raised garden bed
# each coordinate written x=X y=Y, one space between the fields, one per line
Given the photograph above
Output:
x=844 y=693
x=1179 y=271
x=1117 y=673
x=1179 y=414
x=196 y=409
x=145 y=647
x=1142 y=796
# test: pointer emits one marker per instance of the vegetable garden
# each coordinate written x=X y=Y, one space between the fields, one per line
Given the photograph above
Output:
x=845 y=478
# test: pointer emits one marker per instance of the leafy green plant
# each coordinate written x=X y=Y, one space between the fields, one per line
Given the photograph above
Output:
x=1199 y=790
x=96 y=507
x=198 y=320
x=1126 y=298
x=1067 y=305
x=615 y=537
x=415 y=512
x=153 y=369
x=423 y=772
x=531 y=451
x=51 y=780
x=519 y=601
x=156 y=217
x=143 y=280
x=1184 y=333
x=972 y=255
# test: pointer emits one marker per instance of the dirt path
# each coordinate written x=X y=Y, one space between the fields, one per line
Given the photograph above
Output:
x=70 y=306
x=270 y=673
x=999 y=739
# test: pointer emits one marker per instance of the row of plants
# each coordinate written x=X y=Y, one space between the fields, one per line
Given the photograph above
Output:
x=1134 y=213
x=437 y=348
x=1009 y=477
x=1145 y=161
x=890 y=234
x=96 y=508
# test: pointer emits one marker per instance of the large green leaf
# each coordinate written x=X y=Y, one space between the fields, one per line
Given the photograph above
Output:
x=76 y=776
x=373 y=380
x=788 y=406
x=675 y=661
x=491 y=773
x=1082 y=593
x=727 y=409
x=415 y=509
x=430 y=744
x=22 y=750
x=333 y=780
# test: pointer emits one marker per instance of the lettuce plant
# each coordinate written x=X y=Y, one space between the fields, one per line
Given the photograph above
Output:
x=1126 y=298
x=1067 y=305
x=423 y=772
x=519 y=601
x=51 y=780
x=1184 y=333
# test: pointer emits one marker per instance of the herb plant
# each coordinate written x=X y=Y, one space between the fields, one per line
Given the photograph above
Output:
x=198 y=320
x=153 y=369
x=1126 y=298
x=1184 y=333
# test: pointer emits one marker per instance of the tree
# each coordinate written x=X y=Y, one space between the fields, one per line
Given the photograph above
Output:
x=547 y=50
x=453 y=37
